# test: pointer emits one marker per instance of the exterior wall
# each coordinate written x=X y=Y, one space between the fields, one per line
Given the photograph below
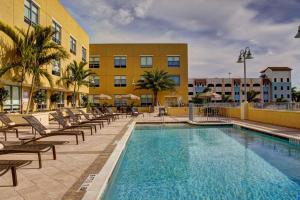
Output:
x=133 y=70
x=281 y=84
x=12 y=13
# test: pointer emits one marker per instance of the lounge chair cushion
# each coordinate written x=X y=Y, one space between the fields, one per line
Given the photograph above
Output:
x=11 y=123
x=1 y=146
x=68 y=124
x=80 y=120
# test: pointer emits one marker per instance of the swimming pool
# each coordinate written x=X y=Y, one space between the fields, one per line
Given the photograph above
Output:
x=164 y=162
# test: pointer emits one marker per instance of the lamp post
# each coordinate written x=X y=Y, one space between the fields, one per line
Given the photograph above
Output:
x=245 y=54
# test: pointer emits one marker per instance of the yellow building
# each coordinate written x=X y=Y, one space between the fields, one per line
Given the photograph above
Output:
x=118 y=67
x=70 y=35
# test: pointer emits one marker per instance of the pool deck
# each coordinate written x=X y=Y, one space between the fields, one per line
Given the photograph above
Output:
x=62 y=178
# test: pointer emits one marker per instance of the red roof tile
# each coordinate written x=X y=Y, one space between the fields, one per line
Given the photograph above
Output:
x=277 y=69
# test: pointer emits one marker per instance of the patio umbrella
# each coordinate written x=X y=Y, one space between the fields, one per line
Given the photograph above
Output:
x=102 y=97
x=131 y=97
x=210 y=95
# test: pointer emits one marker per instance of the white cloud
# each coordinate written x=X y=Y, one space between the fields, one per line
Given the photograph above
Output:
x=215 y=30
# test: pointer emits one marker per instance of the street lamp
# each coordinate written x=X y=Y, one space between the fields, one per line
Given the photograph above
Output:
x=245 y=54
x=298 y=33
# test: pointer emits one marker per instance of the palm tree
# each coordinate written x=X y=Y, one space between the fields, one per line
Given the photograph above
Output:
x=76 y=75
x=251 y=96
x=34 y=50
x=157 y=81
x=19 y=54
x=226 y=98
x=295 y=95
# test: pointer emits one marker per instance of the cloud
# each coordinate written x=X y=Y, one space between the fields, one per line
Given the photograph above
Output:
x=215 y=30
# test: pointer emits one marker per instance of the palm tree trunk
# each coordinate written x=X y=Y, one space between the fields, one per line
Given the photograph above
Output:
x=30 y=94
x=74 y=96
x=155 y=98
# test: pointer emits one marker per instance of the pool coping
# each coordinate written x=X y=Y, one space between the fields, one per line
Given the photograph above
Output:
x=97 y=188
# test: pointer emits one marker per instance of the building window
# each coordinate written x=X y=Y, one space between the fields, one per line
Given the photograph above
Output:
x=42 y=105
x=281 y=87
x=281 y=80
x=191 y=93
x=227 y=85
x=72 y=45
x=190 y=85
x=120 y=61
x=146 y=100
x=288 y=87
x=61 y=102
x=173 y=61
x=218 y=85
x=83 y=54
x=288 y=96
x=57 y=32
x=94 y=62
x=282 y=96
x=56 y=67
x=31 y=13
x=120 y=81
x=275 y=87
x=288 y=80
x=275 y=79
x=95 y=81
x=146 y=61
x=275 y=96
x=119 y=101
x=228 y=93
x=176 y=79
x=256 y=85
x=12 y=102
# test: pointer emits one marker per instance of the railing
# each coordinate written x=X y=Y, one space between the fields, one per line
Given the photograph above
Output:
x=278 y=106
x=212 y=112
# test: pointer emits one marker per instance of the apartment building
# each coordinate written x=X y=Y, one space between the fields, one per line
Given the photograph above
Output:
x=118 y=67
x=274 y=83
x=22 y=13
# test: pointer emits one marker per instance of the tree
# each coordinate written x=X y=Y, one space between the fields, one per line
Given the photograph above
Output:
x=76 y=75
x=295 y=95
x=281 y=100
x=34 y=50
x=3 y=96
x=226 y=98
x=157 y=81
x=251 y=96
x=20 y=54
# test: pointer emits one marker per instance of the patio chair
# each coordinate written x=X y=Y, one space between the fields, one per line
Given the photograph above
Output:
x=94 y=119
x=9 y=125
x=67 y=125
x=117 y=115
x=44 y=132
x=28 y=148
x=6 y=165
x=76 y=119
x=135 y=112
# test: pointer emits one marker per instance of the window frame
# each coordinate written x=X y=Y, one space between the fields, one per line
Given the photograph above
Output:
x=53 y=72
x=29 y=20
x=73 y=45
x=120 y=78
x=173 y=63
x=58 y=29
x=120 y=64
x=95 y=77
x=94 y=64
x=146 y=65
x=148 y=97
x=176 y=84
x=83 y=54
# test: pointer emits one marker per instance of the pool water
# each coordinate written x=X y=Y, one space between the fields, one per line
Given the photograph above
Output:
x=166 y=162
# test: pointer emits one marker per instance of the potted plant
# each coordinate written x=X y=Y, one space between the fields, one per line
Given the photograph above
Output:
x=3 y=96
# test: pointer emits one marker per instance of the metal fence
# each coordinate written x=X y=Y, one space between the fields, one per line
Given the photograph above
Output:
x=211 y=112
x=278 y=106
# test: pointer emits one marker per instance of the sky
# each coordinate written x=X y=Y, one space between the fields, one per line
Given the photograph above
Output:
x=215 y=30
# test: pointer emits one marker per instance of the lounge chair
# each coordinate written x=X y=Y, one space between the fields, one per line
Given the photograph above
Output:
x=94 y=119
x=44 y=132
x=76 y=119
x=6 y=165
x=28 y=148
x=9 y=125
x=117 y=115
x=67 y=125
x=98 y=113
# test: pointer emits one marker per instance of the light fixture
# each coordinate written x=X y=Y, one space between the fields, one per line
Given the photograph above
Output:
x=240 y=60
x=298 y=33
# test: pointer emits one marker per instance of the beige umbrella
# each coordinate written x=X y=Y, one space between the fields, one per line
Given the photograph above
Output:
x=102 y=97
x=131 y=97
x=212 y=95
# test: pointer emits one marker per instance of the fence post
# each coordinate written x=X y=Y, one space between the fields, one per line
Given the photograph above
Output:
x=191 y=111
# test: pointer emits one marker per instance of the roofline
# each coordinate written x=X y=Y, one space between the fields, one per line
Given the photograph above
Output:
x=287 y=69
x=132 y=43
